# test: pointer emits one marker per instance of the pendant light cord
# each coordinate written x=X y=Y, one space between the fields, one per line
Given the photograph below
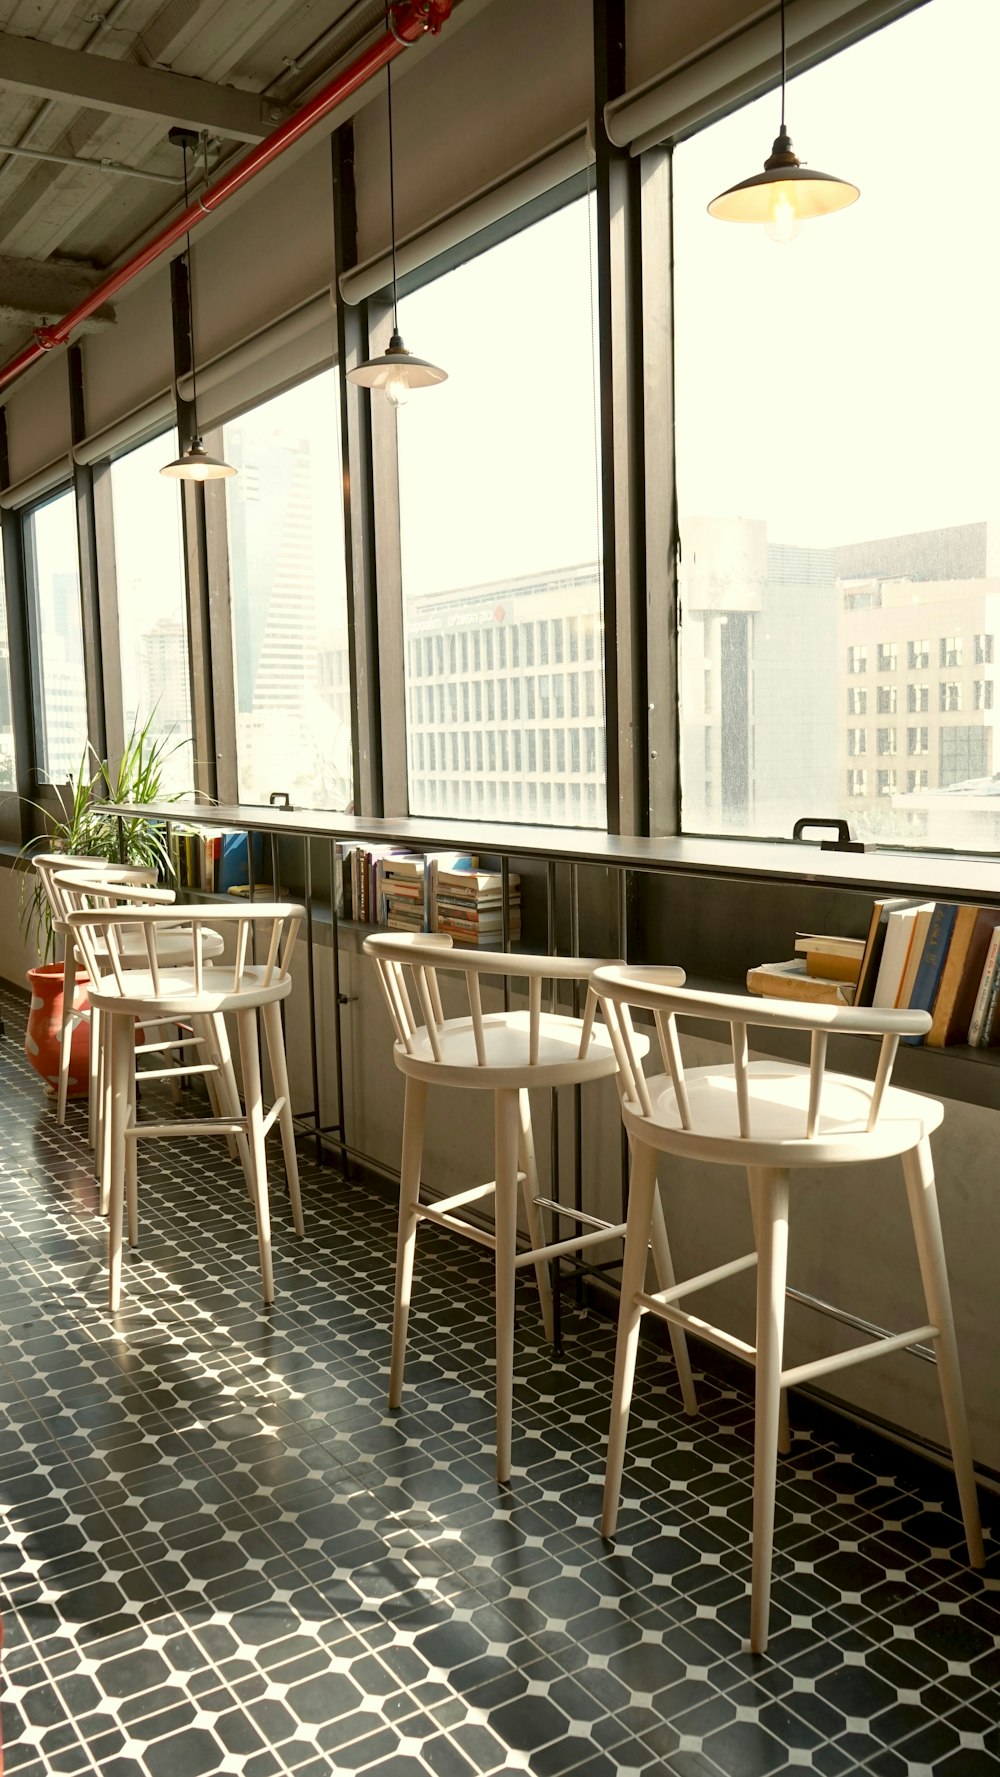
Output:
x=190 y=297
x=783 y=67
x=392 y=192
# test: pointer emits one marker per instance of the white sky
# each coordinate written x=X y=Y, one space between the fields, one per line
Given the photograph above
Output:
x=848 y=386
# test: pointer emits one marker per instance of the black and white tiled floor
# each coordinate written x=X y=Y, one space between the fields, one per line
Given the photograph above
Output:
x=222 y=1554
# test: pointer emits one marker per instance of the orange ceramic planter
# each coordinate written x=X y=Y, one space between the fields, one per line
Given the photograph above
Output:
x=41 y=1042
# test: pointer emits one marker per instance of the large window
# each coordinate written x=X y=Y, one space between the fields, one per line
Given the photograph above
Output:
x=60 y=687
x=289 y=599
x=500 y=526
x=152 y=614
x=837 y=454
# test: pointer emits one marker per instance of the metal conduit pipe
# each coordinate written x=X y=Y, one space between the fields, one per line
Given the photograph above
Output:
x=45 y=110
x=80 y=160
x=409 y=20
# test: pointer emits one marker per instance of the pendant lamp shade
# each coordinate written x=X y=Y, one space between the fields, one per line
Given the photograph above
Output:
x=396 y=371
x=194 y=462
x=786 y=193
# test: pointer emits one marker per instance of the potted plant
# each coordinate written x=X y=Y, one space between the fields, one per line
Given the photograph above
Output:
x=85 y=825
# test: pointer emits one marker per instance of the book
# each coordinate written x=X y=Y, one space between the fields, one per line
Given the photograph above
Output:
x=875 y=943
x=831 y=967
x=987 y=978
x=932 y=959
x=963 y=970
x=790 y=981
x=915 y=949
x=819 y=943
x=895 y=953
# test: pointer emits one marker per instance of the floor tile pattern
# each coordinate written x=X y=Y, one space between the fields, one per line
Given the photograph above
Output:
x=222 y=1554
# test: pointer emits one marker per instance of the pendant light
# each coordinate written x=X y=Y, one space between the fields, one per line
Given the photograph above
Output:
x=194 y=463
x=786 y=193
x=396 y=371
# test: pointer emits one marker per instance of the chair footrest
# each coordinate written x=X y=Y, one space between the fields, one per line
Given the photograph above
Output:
x=189 y=1126
x=701 y=1329
x=575 y=1215
x=428 y=1212
x=173 y=1073
x=858 y=1354
x=702 y=1281
x=607 y=1231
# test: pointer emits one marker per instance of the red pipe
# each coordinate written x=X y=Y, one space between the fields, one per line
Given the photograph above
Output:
x=409 y=20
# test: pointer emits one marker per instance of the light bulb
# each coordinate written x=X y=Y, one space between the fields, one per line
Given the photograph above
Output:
x=783 y=223
x=396 y=388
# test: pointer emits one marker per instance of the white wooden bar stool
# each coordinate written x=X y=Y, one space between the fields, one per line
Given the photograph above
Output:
x=123 y=993
x=57 y=871
x=80 y=886
x=503 y=1053
x=773 y=1118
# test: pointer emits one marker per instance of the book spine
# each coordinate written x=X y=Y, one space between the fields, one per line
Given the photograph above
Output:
x=982 y=1004
x=932 y=961
x=990 y=1021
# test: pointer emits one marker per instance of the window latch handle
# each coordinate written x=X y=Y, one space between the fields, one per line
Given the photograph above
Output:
x=843 y=841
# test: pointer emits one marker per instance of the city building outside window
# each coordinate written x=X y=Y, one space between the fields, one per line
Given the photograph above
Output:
x=518 y=564
x=983 y=689
x=885 y=783
x=917 y=780
x=857 y=741
x=152 y=607
x=857 y=783
x=949 y=697
x=52 y=568
x=289 y=599
x=886 y=740
x=871 y=551
x=887 y=700
x=857 y=701
x=983 y=650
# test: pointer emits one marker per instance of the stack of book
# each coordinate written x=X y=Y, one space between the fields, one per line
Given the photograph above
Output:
x=401 y=891
x=390 y=886
x=468 y=906
x=931 y=956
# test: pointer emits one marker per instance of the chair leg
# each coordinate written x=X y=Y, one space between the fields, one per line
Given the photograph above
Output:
x=275 y=1038
x=119 y=1071
x=772 y=1268
x=132 y=1162
x=202 y=1027
x=246 y=1024
x=642 y=1190
x=918 y=1170
x=227 y=1091
x=529 y=1187
x=663 y=1265
x=507 y=1123
x=94 y=1080
x=414 y=1116
x=104 y=1134
x=784 y=1429
x=66 y=1032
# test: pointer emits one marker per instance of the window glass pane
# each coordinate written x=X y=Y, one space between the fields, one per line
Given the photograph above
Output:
x=53 y=568
x=838 y=457
x=289 y=598
x=8 y=770
x=152 y=611
x=500 y=520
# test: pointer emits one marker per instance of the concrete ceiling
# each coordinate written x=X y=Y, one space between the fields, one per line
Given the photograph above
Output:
x=104 y=84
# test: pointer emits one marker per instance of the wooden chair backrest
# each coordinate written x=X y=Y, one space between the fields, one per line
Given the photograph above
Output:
x=408 y=966
x=106 y=911
x=621 y=990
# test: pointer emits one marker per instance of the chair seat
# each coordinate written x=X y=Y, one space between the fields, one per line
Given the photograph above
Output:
x=779 y=1100
x=507 y=1063
x=178 y=993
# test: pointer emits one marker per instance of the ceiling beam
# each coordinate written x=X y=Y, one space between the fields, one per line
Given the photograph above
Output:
x=71 y=76
x=33 y=293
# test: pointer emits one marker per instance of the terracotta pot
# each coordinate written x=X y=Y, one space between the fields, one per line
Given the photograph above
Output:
x=41 y=1042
